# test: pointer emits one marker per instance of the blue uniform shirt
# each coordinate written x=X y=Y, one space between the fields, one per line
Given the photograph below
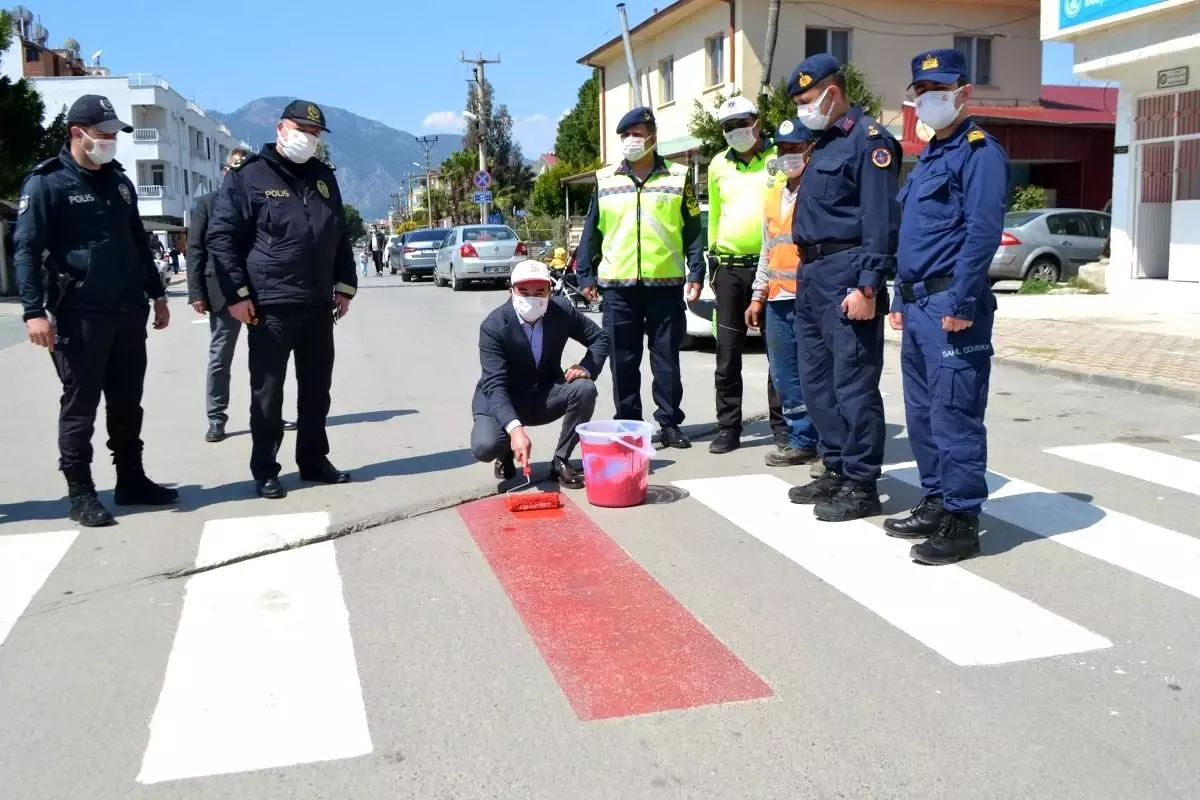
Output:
x=848 y=194
x=954 y=203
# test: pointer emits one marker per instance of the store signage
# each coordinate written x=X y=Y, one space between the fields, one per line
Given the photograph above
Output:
x=1072 y=13
x=1172 y=78
x=1121 y=149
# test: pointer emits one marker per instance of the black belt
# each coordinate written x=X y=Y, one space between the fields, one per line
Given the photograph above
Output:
x=726 y=260
x=932 y=286
x=814 y=252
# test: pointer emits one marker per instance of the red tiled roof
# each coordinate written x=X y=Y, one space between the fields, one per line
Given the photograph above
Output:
x=1089 y=98
x=1042 y=115
x=550 y=158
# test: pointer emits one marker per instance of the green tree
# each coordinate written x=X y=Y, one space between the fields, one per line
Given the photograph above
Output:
x=5 y=30
x=354 y=222
x=578 y=139
x=547 y=197
x=774 y=108
x=511 y=176
x=322 y=151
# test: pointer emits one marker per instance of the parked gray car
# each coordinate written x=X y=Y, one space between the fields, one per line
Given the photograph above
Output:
x=1048 y=244
x=475 y=253
x=415 y=255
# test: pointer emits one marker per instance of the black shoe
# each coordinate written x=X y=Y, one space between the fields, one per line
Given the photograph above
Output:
x=567 y=476
x=957 y=539
x=671 y=436
x=216 y=432
x=270 y=489
x=922 y=522
x=788 y=456
x=853 y=501
x=135 y=489
x=289 y=426
x=504 y=469
x=85 y=507
x=324 y=473
x=823 y=488
x=726 y=441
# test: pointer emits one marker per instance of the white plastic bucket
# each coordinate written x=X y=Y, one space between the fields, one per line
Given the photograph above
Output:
x=616 y=461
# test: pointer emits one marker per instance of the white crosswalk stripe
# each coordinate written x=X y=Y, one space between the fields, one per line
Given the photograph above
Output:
x=26 y=561
x=1166 y=470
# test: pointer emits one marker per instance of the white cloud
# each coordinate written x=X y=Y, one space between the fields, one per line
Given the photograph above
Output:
x=535 y=133
x=444 y=122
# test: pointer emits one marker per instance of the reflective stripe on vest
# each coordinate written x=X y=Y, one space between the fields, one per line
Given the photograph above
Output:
x=642 y=228
x=783 y=259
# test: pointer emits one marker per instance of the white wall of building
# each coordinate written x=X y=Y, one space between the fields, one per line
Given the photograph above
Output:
x=1156 y=181
x=176 y=150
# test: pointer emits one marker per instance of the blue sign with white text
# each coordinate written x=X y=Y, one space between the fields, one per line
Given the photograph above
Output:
x=1080 y=12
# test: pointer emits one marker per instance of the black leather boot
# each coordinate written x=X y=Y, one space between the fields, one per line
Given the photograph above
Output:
x=922 y=522
x=957 y=539
x=135 y=489
x=85 y=507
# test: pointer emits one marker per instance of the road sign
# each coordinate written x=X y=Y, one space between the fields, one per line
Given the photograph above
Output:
x=520 y=212
x=483 y=180
x=495 y=218
x=483 y=197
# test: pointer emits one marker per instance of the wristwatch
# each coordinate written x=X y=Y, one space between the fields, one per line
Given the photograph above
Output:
x=867 y=291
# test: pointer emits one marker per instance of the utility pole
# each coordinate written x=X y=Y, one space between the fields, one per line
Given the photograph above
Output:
x=428 y=142
x=481 y=117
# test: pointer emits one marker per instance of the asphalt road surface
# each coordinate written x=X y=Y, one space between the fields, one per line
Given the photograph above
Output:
x=716 y=642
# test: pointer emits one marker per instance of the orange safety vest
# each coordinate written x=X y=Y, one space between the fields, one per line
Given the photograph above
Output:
x=783 y=259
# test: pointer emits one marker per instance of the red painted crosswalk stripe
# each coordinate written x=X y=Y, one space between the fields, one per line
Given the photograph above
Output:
x=616 y=641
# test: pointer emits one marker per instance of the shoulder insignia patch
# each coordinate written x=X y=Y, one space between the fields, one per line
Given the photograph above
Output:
x=881 y=157
x=689 y=198
x=23 y=205
x=323 y=188
x=846 y=123
x=976 y=137
x=872 y=130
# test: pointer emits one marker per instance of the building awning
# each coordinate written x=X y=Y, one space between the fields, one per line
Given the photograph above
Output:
x=678 y=147
x=581 y=178
x=154 y=226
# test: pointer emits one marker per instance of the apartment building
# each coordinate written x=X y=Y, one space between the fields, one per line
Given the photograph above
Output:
x=1151 y=48
x=176 y=150
x=695 y=49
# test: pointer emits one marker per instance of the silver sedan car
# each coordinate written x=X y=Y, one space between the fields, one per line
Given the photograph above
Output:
x=1048 y=244
x=478 y=253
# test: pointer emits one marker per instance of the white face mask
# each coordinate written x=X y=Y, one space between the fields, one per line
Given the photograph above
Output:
x=811 y=114
x=297 y=145
x=742 y=139
x=938 y=109
x=529 y=309
x=634 y=148
x=100 y=151
x=791 y=164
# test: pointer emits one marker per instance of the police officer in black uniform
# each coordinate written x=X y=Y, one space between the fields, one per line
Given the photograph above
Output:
x=79 y=234
x=284 y=261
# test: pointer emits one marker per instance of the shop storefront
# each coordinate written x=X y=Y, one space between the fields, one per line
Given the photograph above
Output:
x=1151 y=50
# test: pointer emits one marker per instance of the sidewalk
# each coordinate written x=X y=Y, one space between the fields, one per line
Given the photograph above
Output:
x=1135 y=345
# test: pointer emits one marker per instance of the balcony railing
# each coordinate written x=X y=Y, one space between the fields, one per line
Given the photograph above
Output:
x=139 y=80
x=196 y=109
x=154 y=192
x=149 y=136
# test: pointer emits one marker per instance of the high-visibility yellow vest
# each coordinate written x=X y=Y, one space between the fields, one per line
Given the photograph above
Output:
x=736 y=191
x=783 y=258
x=642 y=227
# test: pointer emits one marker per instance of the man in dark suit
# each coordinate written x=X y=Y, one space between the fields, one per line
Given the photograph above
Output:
x=523 y=382
x=205 y=297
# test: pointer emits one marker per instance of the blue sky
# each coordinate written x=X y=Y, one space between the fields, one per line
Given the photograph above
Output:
x=396 y=62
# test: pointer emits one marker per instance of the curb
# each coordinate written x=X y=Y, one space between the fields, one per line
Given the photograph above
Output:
x=401 y=513
x=1104 y=379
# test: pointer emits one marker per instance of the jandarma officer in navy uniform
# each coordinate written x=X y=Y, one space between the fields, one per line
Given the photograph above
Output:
x=845 y=226
x=954 y=204
x=282 y=255
x=79 y=233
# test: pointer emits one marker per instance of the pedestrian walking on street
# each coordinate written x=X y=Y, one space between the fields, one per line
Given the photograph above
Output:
x=78 y=223
x=523 y=382
x=641 y=243
x=738 y=181
x=954 y=203
x=364 y=260
x=773 y=309
x=377 y=242
x=285 y=265
x=845 y=225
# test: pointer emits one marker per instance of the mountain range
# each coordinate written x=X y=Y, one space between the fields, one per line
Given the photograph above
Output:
x=371 y=158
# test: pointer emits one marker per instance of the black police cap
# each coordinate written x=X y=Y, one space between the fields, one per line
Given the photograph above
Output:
x=95 y=111
x=306 y=112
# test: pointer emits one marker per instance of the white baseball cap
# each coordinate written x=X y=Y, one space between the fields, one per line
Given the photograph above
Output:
x=737 y=106
x=530 y=272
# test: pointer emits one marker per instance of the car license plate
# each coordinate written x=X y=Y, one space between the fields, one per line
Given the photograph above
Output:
x=493 y=270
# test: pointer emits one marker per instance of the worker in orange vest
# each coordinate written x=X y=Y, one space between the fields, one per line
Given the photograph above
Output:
x=773 y=304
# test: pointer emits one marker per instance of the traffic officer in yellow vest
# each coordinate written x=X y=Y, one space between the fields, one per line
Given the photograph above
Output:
x=643 y=231
x=737 y=188
x=773 y=309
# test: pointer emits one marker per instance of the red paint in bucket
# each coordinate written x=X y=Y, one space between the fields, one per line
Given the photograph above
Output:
x=616 y=462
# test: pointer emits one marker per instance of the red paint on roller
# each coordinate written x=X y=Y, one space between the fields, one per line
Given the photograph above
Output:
x=615 y=640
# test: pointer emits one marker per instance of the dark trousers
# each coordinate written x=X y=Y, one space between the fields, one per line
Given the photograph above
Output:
x=654 y=314
x=304 y=332
x=573 y=403
x=224 y=330
x=377 y=257
x=732 y=286
x=841 y=362
x=100 y=352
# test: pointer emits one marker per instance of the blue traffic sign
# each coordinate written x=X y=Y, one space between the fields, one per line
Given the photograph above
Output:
x=495 y=218
x=483 y=197
x=520 y=212
x=483 y=180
